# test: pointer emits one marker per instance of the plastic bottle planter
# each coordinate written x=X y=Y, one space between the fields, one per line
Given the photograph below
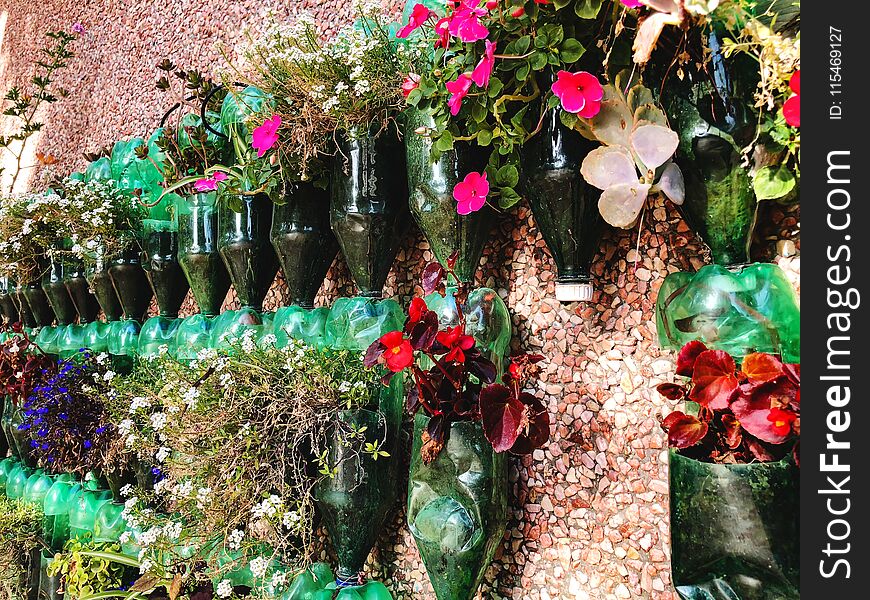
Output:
x=7 y=304
x=162 y=267
x=55 y=291
x=356 y=502
x=38 y=303
x=297 y=323
x=192 y=335
x=21 y=437
x=244 y=224
x=564 y=205
x=83 y=512
x=157 y=332
x=304 y=241
x=77 y=286
x=354 y=323
x=198 y=252
x=714 y=123
x=97 y=275
x=734 y=530
x=131 y=283
x=108 y=523
x=24 y=313
x=741 y=311
x=368 y=207
x=486 y=319
x=432 y=204
x=16 y=482
x=457 y=508
x=55 y=507
x=49 y=585
x=96 y=336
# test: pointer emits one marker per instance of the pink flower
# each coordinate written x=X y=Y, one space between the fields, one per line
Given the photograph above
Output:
x=78 y=28
x=483 y=70
x=791 y=109
x=471 y=193
x=209 y=184
x=265 y=136
x=580 y=93
x=458 y=90
x=411 y=83
x=631 y=3
x=442 y=28
x=418 y=16
x=465 y=22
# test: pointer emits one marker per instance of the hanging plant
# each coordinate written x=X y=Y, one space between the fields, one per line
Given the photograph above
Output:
x=745 y=414
x=453 y=381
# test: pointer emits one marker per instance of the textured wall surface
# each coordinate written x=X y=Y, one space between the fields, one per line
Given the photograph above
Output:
x=589 y=512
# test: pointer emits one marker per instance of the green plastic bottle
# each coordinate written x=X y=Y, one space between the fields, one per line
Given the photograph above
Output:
x=310 y=584
x=354 y=323
x=37 y=487
x=372 y=590
x=17 y=481
x=297 y=323
x=83 y=512
x=71 y=339
x=738 y=309
x=193 y=334
x=231 y=325
x=6 y=466
x=108 y=523
x=157 y=332
x=47 y=338
x=96 y=336
x=124 y=337
x=56 y=507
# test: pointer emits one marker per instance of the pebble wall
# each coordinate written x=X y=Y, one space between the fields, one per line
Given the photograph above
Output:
x=589 y=511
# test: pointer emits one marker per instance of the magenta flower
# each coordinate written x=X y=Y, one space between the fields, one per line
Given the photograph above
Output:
x=411 y=83
x=465 y=22
x=209 y=184
x=471 y=193
x=458 y=90
x=78 y=28
x=631 y=3
x=266 y=135
x=580 y=93
x=483 y=71
x=418 y=16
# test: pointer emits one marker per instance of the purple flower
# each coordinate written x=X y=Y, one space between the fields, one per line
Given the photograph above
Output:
x=78 y=29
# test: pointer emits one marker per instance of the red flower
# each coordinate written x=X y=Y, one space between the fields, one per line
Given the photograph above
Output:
x=483 y=71
x=580 y=93
x=442 y=28
x=398 y=353
x=456 y=342
x=411 y=83
x=417 y=18
x=458 y=91
x=791 y=109
x=782 y=420
x=518 y=12
x=417 y=309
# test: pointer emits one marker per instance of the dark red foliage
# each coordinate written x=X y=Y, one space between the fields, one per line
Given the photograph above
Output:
x=22 y=365
x=453 y=381
x=746 y=414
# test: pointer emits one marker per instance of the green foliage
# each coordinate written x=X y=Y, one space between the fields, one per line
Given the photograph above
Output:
x=86 y=569
x=20 y=525
x=22 y=103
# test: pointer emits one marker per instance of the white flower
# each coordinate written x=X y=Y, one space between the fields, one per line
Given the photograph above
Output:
x=344 y=387
x=269 y=339
x=226 y=380
x=14 y=348
x=234 y=540
x=125 y=426
x=248 y=344
x=124 y=537
x=279 y=579
x=108 y=375
x=139 y=402
x=162 y=454
x=258 y=567
x=172 y=531
x=158 y=421
x=267 y=508
x=190 y=397
x=202 y=495
x=184 y=489
x=291 y=519
x=131 y=502
x=145 y=566
x=131 y=439
x=126 y=490
x=224 y=589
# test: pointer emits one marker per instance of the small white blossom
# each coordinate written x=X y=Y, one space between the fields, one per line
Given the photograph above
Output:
x=158 y=420
x=258 y=567
x=279 y=579
x=162 y=454
x=224 y=589
x=234 y=540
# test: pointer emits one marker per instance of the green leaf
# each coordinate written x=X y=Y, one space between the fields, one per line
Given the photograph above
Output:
x=495 y=87
x=519 y=46
x=484 y=137
x=507 y=176
x=523 y=72
x=538 y=60
x=508 y=197
x=571 y=50
x=445 y=142
x=479 y=112
x=773 y=182
x=414 y=97
x=587 y=9
x=568 y=119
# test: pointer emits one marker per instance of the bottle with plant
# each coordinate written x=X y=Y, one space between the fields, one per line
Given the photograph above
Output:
x=463 y=417
x=734 y=473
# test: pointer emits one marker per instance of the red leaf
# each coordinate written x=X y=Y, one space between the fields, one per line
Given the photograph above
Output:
x=761 y=368
x=752 y=411
x=537 y=429
x=684 y=430
x=672 y=391
x=502 y=416
x=759 y=450
x=713 y=379
x=687 y=357
x=451 y=260
x=733 y=435
x=433 y=276
x=794 y=372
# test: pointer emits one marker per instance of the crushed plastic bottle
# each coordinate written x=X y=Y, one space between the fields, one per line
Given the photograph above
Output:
x=297 y=323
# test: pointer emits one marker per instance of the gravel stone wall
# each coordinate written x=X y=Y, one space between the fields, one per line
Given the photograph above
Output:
x=589 y=512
